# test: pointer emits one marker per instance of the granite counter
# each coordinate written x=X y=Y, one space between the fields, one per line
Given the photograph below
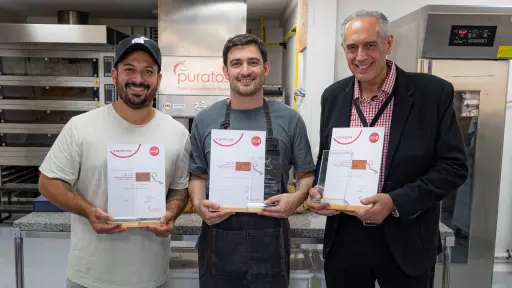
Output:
x=304 y=225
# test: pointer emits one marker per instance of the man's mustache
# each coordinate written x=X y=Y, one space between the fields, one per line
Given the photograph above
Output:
x=245 y=77
x=138 y=85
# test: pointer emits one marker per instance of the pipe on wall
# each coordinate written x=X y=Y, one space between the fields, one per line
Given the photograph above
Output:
x=287 y=37
x=72 y=17
x=262 y=30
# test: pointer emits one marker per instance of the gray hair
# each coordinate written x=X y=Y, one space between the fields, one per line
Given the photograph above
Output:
x=383 y=21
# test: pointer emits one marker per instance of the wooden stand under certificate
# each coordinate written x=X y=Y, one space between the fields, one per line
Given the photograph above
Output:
x=136 y=184
x=350 y=171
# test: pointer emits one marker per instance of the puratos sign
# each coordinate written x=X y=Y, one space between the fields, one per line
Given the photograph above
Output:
x=193 y=76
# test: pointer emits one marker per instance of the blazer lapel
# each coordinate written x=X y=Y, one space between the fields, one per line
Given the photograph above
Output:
x=402 y=103
x=344 y=107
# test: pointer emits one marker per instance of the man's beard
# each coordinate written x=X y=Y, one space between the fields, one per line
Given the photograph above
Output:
x=247 y=93
x=134 y=102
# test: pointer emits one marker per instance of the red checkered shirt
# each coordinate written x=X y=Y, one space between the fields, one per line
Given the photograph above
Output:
x=370 y=108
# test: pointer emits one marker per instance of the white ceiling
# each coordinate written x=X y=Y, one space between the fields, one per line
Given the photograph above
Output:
x=271 y=9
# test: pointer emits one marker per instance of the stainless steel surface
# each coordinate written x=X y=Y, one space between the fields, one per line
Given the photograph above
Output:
x=425 y=33
x=421 y=44
x=45 y=52
x=200 y=27
x=47 y=81
x=49 y=105
x=301 y=261
x=54 y=49
x=27 y=128
x=48 y=74
x=195 y=29
x=447 y=258
x=184 y=258
x=22 y=156
x=59 y=33
x=315 y=261
x=72 y=17
x=16 y=208
x=318 y=260
x=18 y=259
x=184 y=121
x=20 y=186
x=475 y=208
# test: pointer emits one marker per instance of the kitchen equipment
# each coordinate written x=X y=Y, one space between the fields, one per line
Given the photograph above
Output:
x=48 y=74
x=470 y=47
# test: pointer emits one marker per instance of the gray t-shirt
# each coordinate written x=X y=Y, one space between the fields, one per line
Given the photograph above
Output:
x=288 y=128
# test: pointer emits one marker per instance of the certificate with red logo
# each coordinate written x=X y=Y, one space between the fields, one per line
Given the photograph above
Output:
x=237 y=169
x=136 y=182
x=350 y=171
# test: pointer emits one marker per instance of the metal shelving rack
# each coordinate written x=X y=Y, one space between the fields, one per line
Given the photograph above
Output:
x=44 y=82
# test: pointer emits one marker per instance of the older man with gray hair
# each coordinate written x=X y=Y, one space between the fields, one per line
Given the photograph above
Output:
x=396 y=240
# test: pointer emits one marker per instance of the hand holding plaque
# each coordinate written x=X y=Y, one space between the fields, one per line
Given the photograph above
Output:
x=350 y=171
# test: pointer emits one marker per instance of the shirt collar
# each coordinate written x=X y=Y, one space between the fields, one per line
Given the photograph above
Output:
x=387 y=87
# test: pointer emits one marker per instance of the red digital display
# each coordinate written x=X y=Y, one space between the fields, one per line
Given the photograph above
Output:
x=470 y=35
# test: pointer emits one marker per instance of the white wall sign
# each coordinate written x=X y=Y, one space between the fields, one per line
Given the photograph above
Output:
x=193 y=76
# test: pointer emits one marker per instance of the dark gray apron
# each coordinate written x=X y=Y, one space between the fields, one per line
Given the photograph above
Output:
x=246 y=250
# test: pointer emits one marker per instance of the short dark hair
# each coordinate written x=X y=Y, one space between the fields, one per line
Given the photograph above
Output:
x=242 y=40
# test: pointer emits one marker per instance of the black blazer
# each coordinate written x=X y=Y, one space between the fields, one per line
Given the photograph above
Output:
x=426 y=161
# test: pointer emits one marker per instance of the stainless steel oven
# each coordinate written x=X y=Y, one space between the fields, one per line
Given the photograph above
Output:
x=48 y=74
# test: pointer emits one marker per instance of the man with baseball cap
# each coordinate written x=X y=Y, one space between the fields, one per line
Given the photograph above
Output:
x=74 y=177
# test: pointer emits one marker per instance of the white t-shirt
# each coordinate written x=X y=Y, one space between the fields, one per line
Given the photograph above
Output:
x=135 y=258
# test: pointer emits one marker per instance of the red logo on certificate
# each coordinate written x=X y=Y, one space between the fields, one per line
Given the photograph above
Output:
x=256 y=141
x=374 y=137
x=154 y=151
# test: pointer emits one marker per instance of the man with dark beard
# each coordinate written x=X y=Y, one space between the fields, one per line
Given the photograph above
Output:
x=248 y=249
x=74 y=177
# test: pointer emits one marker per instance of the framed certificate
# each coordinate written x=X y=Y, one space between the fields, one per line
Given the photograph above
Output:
x=242 y=175
x=350 y=171
x=136 y=183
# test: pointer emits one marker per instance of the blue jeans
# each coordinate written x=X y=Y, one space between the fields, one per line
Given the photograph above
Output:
x=71 y=284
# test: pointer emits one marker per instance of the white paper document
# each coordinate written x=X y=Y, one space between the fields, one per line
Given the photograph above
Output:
x=136 y=181
x=237 y=168
x=354 y=164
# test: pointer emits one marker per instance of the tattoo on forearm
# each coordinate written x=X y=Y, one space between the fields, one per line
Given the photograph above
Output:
x=180 y=195
x=67 y=187
x=177 y=200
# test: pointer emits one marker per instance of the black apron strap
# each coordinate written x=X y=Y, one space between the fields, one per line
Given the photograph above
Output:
x=377 y=116
x=266 y=109
x=226 y=122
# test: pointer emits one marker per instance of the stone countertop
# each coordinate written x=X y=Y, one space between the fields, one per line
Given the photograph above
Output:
x=305 y=225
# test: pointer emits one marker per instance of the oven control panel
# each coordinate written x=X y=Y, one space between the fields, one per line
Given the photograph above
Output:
x=110 y=93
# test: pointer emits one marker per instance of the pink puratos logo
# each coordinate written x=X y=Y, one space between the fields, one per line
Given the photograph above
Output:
x=374 y=137
x=228 y=141
x=125 y=152
x=180 y=65
x=256 y=141
x=348 y=139
x=154 y=151
x=185 y=76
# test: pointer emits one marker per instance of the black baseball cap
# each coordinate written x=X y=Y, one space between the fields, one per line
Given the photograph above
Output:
x=138 y=43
